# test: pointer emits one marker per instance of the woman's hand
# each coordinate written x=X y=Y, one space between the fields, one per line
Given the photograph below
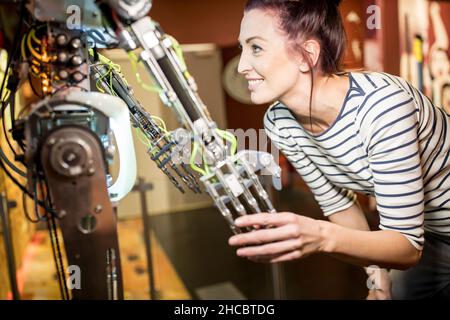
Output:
x=278 y=237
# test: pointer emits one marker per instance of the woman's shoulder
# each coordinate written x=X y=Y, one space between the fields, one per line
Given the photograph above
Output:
x=373 y=80
x=278 y=118
x=379 y=86
x=277 y=111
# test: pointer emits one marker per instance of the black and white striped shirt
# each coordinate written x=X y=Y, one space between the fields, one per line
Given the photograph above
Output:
x=389 y=141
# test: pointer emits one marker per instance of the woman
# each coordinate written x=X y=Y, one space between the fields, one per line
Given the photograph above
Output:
x=344 y=133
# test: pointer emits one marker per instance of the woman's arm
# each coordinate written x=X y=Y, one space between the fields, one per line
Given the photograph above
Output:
x=292 y=236
x=387 y=249
x=352 y=218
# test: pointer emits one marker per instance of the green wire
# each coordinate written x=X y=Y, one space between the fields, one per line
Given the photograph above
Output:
x=163 y=127
x=134 y=64
x=192 y=160
x=142 y=137
x=178 y=51
x=230 y=138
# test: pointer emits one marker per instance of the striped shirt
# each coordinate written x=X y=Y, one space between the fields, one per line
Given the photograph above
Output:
x=388 y=141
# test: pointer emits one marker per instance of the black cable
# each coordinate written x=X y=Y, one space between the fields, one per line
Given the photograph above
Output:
x=103 y=21
x=52 y=242
x=11 y=58
x=12 y=104
x=4 y=105
x=33 y=88
x=25 y=209
x=60 y=259
x=10 y=164
x=35 y=200
x=55 y=259
x=21 y=187
x=56 y=248
x=15 y=45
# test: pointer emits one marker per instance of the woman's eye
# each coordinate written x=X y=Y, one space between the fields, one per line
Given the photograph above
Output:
x=256 y=49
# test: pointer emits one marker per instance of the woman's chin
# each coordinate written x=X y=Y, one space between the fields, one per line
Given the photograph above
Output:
x=260 y=100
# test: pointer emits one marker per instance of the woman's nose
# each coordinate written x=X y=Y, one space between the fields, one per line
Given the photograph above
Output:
x=243 y=65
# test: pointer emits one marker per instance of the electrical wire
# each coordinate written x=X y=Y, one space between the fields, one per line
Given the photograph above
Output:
x=54 y=239
x=22 y=188
x=134 y=64
x=4 y=105
x=10 y=164
x=230 y=138
x=192 y=160
x=14 y=45
x=25 y=209
x=40 y=57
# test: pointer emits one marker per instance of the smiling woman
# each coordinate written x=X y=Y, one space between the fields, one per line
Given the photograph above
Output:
x=347 y=132
x=274 y=48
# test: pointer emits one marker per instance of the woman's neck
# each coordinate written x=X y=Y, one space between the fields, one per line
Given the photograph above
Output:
x=329 y=93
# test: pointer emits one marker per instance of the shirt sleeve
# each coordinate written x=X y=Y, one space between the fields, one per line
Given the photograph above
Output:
x=392 y=145
x=331 y=199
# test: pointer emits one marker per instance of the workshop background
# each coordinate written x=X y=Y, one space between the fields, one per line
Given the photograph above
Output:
x=190 y=255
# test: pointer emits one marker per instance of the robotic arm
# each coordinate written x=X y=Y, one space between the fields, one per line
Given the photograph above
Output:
x=161 y=144
x=229 y=177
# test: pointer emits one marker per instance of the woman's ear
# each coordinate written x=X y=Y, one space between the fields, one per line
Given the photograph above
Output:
x=310 y=57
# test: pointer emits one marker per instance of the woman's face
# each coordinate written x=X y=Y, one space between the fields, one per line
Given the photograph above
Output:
x=271 y=70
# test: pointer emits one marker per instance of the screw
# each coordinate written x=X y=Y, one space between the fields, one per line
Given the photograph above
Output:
x=98 y=209
x=51 y=141
x=91 y=171
x=62 y=214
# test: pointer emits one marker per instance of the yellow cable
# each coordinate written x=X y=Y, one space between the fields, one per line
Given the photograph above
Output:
x=33 y=36
x=22 y=47
x=34 y=52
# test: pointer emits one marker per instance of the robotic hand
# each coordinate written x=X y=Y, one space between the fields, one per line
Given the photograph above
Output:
x=229 y=177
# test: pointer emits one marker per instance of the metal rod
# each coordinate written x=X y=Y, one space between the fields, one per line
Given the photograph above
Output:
x=9 y=249
x=276 y=269
x=142 y=188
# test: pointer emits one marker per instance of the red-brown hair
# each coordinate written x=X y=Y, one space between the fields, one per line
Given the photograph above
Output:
x=301 y=20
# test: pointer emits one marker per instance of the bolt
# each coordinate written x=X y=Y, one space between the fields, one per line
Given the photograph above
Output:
x=51 y=141
x=98 y=209
x=61 y=40
x=75 y=43
x=62 y=214
x=91 y=171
